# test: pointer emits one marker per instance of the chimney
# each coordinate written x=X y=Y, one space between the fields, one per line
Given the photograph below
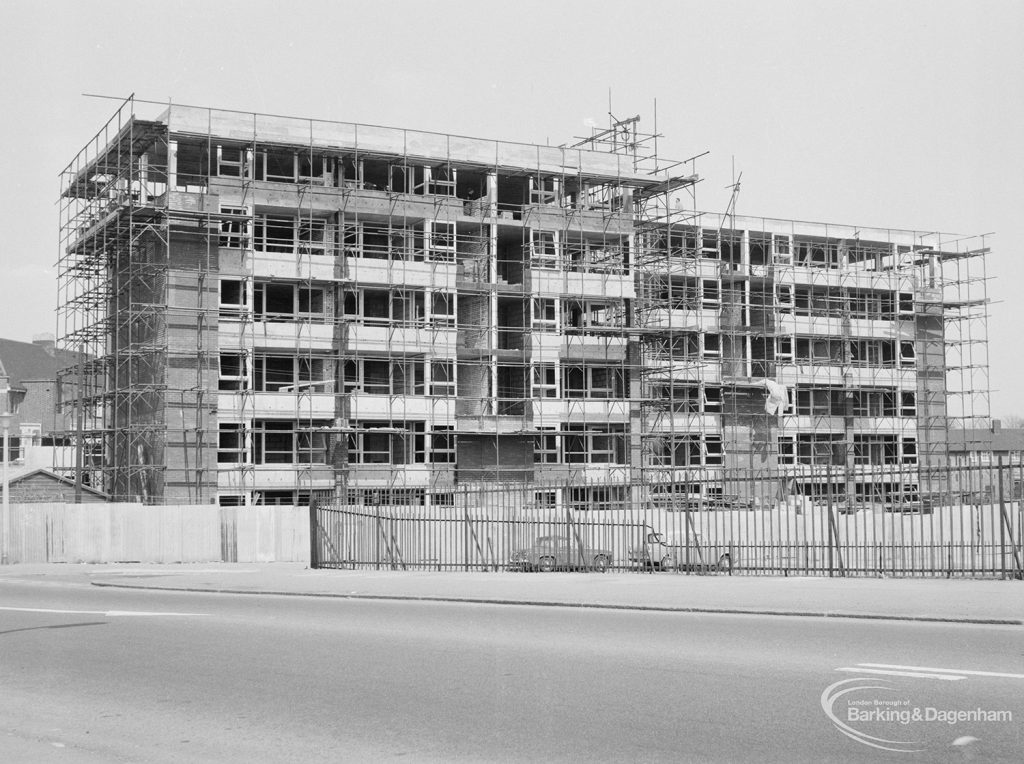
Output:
x=996 y=425
x=46 y=342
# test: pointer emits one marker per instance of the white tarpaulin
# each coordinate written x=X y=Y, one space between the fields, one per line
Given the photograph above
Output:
x=778 y=397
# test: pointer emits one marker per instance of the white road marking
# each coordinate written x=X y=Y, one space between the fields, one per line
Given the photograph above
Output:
x=107 y=613
x=163 y=572
x=943 y=670
x=117 y=613
x=886 y=672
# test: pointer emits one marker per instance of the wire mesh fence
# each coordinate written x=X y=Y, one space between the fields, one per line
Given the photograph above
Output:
x=954 y=522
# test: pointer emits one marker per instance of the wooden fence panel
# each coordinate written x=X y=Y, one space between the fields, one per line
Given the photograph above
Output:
x=125 y=532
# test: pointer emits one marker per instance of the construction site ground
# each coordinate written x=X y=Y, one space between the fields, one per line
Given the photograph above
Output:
x=947 y=600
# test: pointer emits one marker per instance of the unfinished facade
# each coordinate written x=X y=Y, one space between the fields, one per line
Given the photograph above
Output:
x=270 y=310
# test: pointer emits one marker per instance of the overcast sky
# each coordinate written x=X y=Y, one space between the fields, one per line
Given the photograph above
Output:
x=877 y=114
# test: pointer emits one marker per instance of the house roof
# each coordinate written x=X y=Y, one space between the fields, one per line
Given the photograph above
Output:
x=987 y=439
x=23 y=361
x=17 y=477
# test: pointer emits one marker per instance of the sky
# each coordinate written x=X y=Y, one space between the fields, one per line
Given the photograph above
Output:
x=876 y=114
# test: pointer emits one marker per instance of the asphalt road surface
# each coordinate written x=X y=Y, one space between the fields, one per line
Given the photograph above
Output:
x=107 y=675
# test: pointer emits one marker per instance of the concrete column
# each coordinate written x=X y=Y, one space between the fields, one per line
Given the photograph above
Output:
x=144 y=179
x=5 y=423
x=492 y=194
x=172 y=165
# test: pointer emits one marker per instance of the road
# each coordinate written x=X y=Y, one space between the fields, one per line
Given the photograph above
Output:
x=108 y=675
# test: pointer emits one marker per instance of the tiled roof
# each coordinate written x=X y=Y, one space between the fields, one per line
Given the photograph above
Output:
x=26 y=361
x=985 y=439
x=17 y=476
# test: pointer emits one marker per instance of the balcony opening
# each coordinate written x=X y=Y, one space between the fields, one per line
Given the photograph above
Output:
x=511 y=256
x=274 y=233
x=275 y=165
x=512 y=323
x=709 y=244
x=407 y=307
x=442 y=241
x=599 y=382
x=193 y=166
x=232 y=298
x=731 y=249
x=442 y=378
x=311 y=301
x=760 y=249
x=545 y=381
x=231 y=443
x=544 y=248
x=545 y=314
x=762 y=356
x=312 y=167
x=442 y=309
x=816 y=252
x=376 y=175
x=443 y=180
x=543 y=190
x=349 y=172
x=593 y=444
x=442 y=451
x=513 y=193
x=472 y=187
x=274 y=300
x=512 y=390
x=234 y=230
x=376 y=306
x=274 y=373
x=401 y=178
x=231 y=161
x=908 y=353
x=312 y=236
x=233 y=374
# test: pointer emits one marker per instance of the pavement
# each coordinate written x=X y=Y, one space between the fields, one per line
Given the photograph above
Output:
x=978 y=601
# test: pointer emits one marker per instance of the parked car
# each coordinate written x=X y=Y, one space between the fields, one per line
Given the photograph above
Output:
x=658 y=553
x=840 y=504
x=723 y=504
x=910 y=504
x=559 y=553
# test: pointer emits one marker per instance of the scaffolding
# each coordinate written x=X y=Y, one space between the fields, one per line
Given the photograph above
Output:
x=273 y=309
x=128 y=259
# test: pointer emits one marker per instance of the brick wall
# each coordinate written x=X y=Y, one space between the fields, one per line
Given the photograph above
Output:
x=40 y=405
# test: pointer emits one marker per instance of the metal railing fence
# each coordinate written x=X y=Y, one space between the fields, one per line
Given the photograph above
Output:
x=960 y=521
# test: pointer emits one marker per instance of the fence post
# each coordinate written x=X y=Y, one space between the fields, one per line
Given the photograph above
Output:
x=828 y=494
x=314 y=558
x=573 y=532
x=1006 y=524
x=1016 y=494
x=378 y=531
x=1002 y=518
x=833 y=531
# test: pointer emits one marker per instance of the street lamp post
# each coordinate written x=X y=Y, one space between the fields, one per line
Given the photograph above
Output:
x=5 y=423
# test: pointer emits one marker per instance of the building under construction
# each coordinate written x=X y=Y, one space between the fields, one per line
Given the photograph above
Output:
x=269 y=310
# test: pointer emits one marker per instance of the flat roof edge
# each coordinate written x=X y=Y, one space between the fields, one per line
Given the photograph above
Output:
x=834 y=230
x=248 y=126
